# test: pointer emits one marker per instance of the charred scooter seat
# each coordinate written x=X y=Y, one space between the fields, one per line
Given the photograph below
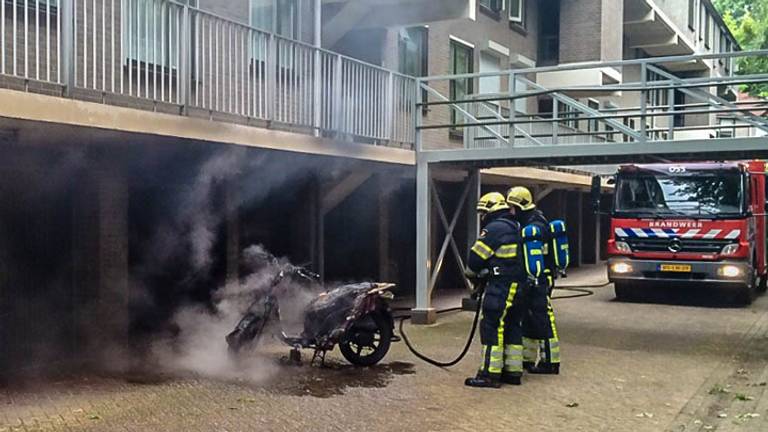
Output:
x=357 y=317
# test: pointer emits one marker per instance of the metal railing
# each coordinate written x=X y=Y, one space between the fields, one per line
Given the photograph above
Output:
x=160 y=52
x=486 y=121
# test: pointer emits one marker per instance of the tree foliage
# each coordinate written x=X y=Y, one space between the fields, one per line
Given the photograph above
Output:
x=748 y=21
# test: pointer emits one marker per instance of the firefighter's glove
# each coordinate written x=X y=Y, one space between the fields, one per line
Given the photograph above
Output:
x=476 y=277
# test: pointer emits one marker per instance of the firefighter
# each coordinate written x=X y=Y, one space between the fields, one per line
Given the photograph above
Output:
x=494 y=258
x=540 y=338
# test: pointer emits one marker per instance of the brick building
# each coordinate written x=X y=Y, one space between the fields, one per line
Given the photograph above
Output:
x=135 y=134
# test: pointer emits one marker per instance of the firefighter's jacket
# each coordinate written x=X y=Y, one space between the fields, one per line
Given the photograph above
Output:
x=498 y=249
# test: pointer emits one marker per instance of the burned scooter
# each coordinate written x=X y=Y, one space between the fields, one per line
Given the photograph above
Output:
x=356 y=317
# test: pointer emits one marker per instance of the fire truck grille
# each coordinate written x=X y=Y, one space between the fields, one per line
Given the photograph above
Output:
x=678 y=245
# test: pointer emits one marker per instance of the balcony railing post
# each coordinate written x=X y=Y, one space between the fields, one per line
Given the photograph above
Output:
x=317 y=89
x=671 y=96
x=555 y=121
x=643 y=102
x=186 y=60
x=512 y=108
x=418 y=118
x=390 y=105
x=272 y=71
x=338 y=111
x=67 y=42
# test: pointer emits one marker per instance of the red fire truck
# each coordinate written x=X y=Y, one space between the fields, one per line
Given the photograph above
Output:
x=689 y=224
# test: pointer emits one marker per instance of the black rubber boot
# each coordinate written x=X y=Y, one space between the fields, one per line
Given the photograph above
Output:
x=511 y=378
x=483 y=381
x=546 y=369
x=529 y=365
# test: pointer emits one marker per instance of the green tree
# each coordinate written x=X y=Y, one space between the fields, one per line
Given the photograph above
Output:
x=748 y=21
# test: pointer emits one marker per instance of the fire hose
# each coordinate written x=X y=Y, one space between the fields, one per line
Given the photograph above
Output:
x=580 y=290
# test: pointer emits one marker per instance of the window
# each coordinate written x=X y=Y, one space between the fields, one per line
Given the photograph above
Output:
x=692 y=14
x=728 y=61
x=493 y=6
x=658 y=97
x=566 y=114
x=413 y=55
x=593 y=125
x=412 y=48
x=148 y=27
x=723 y=47
x=725 y=132
x=276 y=16
x=679 y=119
x=707 y=30
x=462 y=62
x=517 y=11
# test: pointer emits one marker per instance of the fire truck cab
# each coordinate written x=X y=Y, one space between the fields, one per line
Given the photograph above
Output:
x=689 y=224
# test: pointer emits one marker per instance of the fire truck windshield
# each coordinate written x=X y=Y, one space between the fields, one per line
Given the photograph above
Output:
x=694 y=195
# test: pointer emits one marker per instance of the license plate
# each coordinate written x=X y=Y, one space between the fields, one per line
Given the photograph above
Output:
x=675 y=268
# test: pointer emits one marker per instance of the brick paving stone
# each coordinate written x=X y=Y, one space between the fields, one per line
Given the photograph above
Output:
x=639 y=367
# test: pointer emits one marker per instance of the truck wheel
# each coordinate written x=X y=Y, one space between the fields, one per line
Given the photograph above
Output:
x=626 y=292
x=763 y=285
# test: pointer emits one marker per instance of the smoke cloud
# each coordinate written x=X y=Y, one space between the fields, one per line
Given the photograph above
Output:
x=200 y=346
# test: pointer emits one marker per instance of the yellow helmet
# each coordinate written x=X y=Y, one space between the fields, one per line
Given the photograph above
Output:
x=492 y=202
x=521 y=198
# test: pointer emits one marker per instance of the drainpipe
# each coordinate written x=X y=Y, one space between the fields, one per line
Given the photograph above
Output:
x=318 y=43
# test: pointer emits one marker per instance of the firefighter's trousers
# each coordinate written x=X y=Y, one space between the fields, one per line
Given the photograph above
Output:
x=540 y=339
x=501 y=328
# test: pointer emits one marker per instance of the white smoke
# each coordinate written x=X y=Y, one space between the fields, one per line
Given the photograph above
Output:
x=201 y=348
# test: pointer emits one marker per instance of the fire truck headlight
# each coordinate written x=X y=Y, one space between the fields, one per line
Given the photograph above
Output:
x=623 y=247
x=730 y=271
x=730 y=249
x=621 y=268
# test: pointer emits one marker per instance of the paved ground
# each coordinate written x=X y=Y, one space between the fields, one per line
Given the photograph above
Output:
x=675 y=365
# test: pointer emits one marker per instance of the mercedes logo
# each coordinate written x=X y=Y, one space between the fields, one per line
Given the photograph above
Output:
x=675 y=245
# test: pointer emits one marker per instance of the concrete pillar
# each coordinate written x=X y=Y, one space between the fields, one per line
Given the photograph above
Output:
x=384 y=198
x=580 y=231
x=112 y=195
x=232 y=203
x=318 y=227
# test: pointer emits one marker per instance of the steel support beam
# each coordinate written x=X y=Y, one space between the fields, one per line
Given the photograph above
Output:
x=424 y=313
x=628 y=152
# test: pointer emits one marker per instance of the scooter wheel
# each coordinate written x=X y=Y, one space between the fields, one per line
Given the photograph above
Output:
x=367 y=341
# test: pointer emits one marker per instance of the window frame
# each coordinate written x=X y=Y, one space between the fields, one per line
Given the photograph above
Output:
x=692 y=14
x=424 y=35
x=274 y=20
x=469 y=82
x=493 y=9
x=707 y=30
x=519 y=18
x=134 y=55
x=593 y=125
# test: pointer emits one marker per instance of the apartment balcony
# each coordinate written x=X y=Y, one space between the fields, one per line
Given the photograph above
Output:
x=581 y=77
x=174 y=60
x=648 y=28
x=342 y=16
